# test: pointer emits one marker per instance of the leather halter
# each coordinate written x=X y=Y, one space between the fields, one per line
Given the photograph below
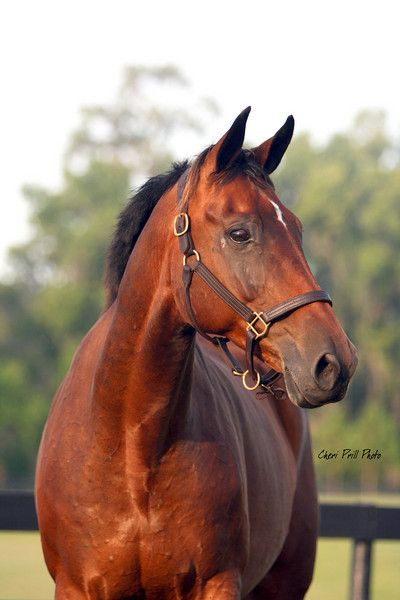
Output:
x=258 y=323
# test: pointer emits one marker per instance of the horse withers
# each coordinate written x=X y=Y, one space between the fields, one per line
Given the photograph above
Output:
x=175 y=468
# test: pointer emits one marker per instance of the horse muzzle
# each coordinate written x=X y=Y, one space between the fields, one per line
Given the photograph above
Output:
x=324 y=380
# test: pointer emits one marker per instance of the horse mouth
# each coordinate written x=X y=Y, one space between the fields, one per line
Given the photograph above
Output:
x=313 y=400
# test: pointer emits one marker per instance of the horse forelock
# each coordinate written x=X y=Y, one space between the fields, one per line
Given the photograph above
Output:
x=137 y=211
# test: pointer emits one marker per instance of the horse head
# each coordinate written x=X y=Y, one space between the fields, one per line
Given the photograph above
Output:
x=252 y=244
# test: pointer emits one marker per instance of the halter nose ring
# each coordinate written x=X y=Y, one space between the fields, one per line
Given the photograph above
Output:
x=257 y=383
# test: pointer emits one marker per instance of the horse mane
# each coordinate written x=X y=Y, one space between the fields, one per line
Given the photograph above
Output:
x=131 y=221
x=137 y=211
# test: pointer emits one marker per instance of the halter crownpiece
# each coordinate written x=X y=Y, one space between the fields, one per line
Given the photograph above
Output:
x=258 y=323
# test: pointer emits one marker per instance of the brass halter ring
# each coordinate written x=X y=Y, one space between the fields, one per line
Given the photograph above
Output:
x=257 y=383
x=193 y=252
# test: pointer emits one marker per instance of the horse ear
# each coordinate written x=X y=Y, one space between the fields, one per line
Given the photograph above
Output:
x=226 y=150
x=270 y=153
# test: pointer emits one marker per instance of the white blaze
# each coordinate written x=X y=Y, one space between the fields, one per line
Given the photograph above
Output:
x=278 y=213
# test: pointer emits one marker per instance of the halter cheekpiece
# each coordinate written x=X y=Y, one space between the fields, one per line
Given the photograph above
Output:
x=258 y=323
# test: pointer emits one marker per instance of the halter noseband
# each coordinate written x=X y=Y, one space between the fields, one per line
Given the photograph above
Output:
x=258 y=323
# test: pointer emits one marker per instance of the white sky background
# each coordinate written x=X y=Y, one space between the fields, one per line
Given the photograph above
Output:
x=320 y=61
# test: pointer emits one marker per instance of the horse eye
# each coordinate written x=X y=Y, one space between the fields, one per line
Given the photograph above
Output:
x=240 y=235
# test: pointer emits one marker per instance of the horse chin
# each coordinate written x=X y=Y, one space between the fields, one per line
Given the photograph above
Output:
x=300 y=399
x=294 y=392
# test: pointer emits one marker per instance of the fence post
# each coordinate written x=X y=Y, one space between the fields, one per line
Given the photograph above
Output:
x=361 y=570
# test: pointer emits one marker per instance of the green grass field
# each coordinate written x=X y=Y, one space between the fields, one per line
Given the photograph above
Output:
x=23 y=575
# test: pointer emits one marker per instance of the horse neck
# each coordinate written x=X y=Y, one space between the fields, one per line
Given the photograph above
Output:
x=143 y=378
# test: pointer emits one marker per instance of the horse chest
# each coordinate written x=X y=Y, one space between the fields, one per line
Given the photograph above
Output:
x=215 y=511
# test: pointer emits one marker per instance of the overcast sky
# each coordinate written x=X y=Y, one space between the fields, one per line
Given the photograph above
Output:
x=320 y=61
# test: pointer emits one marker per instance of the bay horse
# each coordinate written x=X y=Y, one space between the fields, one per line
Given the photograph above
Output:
x=175 y=468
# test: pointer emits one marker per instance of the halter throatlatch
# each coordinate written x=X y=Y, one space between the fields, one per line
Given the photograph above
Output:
x=257 y=323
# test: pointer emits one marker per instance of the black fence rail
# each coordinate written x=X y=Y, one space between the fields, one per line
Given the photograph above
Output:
x=363 y=524
x=17 y=511
x=360 y=522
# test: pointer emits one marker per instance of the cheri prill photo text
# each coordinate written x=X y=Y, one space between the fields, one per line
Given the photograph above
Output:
x=349 y=453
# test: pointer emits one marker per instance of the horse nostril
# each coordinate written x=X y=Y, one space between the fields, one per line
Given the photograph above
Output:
x=327 y=371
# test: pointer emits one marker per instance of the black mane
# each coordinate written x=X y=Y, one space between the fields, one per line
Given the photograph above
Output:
x=136 y=213
x=130 y=223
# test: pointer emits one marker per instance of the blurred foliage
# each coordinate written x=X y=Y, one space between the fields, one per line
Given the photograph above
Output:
x=347 y=195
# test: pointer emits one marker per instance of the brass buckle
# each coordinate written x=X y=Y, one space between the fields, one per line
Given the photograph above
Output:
x=185 y=217
x=247 y=387
x=265 y=325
